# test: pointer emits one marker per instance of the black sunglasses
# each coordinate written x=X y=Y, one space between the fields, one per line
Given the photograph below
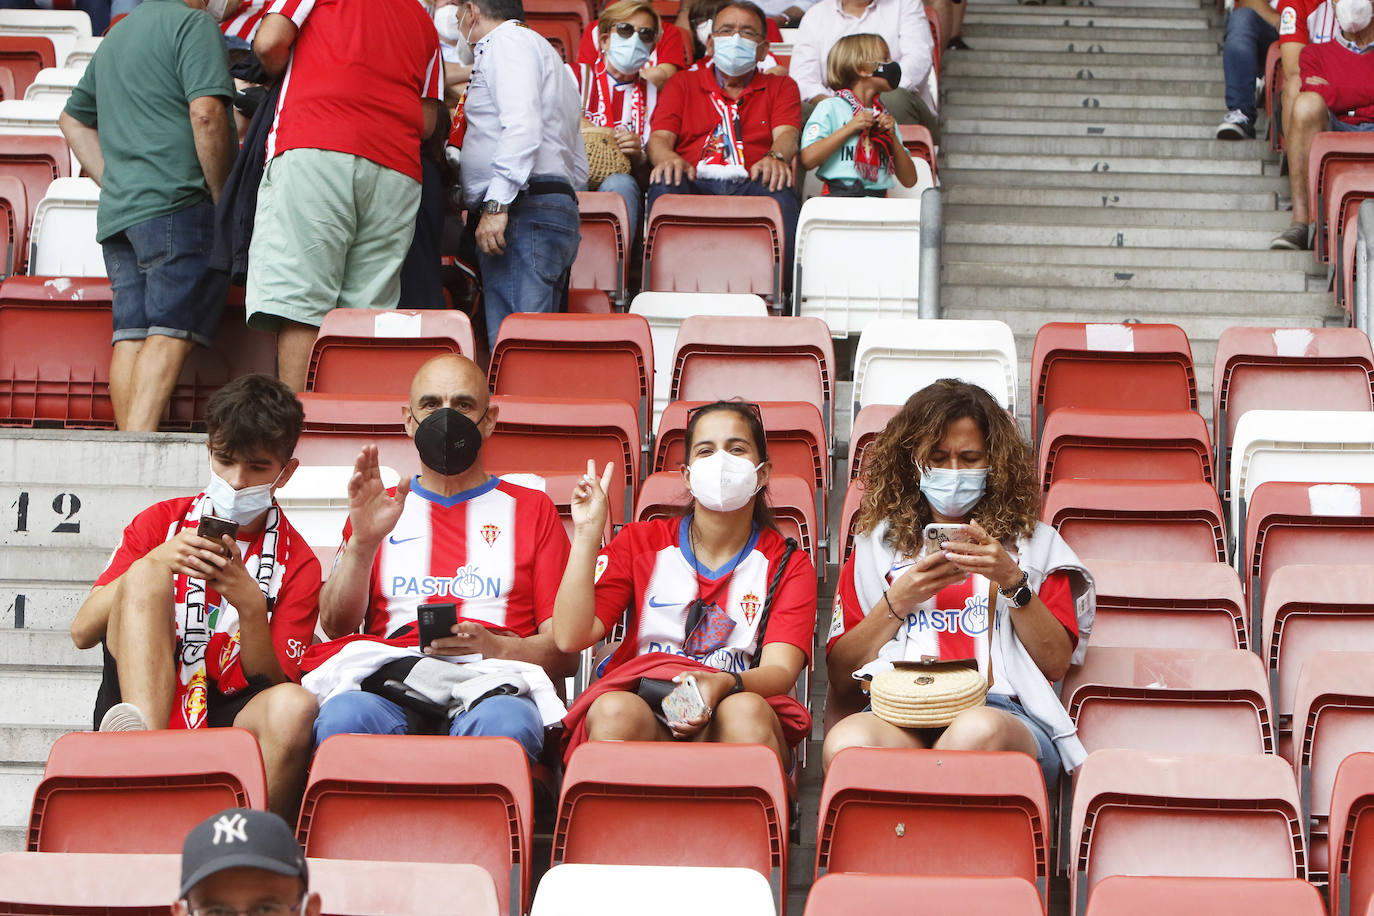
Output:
x=647 y=34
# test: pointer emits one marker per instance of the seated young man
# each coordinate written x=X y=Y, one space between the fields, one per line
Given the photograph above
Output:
x=726 y=128
x=209 y=632
x=453 y=534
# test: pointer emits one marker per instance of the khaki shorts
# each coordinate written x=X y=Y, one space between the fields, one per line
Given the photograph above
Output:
x=331 y=232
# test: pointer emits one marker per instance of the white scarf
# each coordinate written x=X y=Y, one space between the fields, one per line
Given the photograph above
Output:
x=1045 y=552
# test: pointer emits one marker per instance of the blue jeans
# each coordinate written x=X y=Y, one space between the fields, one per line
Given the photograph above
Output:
x=532 y=273
x=625 y=185
x=360 y=713
x=787 y=200
x=1247 y=41
x=160 y=277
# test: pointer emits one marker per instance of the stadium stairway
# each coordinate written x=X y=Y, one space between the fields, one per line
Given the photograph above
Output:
x=67 y=497
x=1082 y=181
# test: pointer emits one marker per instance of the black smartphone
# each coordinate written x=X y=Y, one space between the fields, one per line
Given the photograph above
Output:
x=436 y=621
x=213 y=527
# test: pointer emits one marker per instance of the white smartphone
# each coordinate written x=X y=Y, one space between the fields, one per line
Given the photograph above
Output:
x=685 y=702
x=936 y=535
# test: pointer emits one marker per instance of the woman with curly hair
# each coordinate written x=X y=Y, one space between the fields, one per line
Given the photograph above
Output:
x=952 y=456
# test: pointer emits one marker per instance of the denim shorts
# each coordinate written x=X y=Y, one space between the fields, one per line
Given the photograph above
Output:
x=160 y=278
x=1337 y=124
x=1046 y=754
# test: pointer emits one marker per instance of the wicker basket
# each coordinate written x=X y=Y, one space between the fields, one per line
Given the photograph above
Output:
x=927 y=694
x=604 y=157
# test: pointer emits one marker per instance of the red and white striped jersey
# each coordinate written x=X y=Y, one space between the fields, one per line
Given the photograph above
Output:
x=497 y=551
x=1308 y=21
x=651 y=570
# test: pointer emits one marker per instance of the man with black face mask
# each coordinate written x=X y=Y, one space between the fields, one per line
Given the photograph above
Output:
x=452 y=533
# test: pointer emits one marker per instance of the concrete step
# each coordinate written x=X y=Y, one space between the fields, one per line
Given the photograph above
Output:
x=1077 y=113
x=1026 y=90
x=1123 y=218
x=1053 y=66
x=45 y=605
x=1056 y=234
x=1083 y=36
x=46 y=681
x=1215 y=310
x=1156 y=165
x=1070 y=42
x=1091 y=197
x=1184 y=185
x=1114 y=258
x=42 y=649
x=28 y=744
x=1047 y=127
x=957 y=273
x=1069 y=18
x=1103 y=147
x=17 y=783
x=12 y=839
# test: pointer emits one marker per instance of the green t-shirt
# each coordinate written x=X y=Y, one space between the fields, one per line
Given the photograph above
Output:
x=137 y=92
x=827 y=117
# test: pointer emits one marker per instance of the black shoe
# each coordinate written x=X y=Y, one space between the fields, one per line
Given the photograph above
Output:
x=1294 y=238
x=957 y=43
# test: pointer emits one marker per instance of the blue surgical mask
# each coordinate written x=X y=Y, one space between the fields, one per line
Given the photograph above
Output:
x=627 y=55
x=242 y=505
x=735 y=55
x=952 y=493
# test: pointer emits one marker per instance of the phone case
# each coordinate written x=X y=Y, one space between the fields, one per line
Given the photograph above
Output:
x=435 y=622
x=684 y=702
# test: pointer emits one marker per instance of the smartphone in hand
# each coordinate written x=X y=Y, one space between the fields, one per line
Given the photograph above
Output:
x=936 y=535
x=436 y=621
x=685 y=702
x=214 y=528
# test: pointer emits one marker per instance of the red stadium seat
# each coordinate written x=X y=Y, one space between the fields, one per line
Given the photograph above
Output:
x=919 y=142
x=1125 y=444
x=369 y=351
x=98 y=788
x=868 y=423
x=349 y=886
x=14 y=225
x=1138 y=366
x=559 y=435
x=759 y=359
x=24 y=56
x=1348 y=188
x=85 y=883
x=422 y=798
x=939 y=39
x=1171 y=700
x=588 y=302
x=603 y=255
x=1165 y=521
x=715 y=245
x=1333 y=717
x=236 y=350
x=648 y=803
x=853 y=498
x=560 y=22
x=662 y=495
x=338 y=426
x=1168 y=605
x=1288 y=523
x=55 y=379
x=1331 y=152
x=1132 y=895
x=576 y=356
x=559 y=488
x=1309 y=608
x=960 y=813
x=896 y=895
x=1191 y=815
x=35 y=159
x=1286 y=369
x=1351 y=843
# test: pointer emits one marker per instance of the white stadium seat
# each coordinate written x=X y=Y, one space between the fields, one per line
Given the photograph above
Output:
x=62 y=243
x=897 y=357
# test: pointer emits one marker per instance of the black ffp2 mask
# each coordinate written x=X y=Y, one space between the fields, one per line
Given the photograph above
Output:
x=448 y=442
x=890 y=71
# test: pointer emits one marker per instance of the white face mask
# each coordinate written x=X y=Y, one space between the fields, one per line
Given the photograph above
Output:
x=722 y=481
x=1353 y=15
x=241 y=506
x=447 y=25
x=952 y=493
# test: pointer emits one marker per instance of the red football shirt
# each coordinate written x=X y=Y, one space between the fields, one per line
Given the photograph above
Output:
x=685 y=109
x=1306 y=21
x=669 y=50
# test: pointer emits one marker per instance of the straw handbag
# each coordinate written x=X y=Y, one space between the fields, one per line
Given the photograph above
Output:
x=927 y=694
x=604 y=157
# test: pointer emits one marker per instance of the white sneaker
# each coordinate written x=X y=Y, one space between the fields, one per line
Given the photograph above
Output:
x=123 y=717
x=1236 y=126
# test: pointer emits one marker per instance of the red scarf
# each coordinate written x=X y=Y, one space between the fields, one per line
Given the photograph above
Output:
x=724 y=146
x=873 y=151
x=460 y=121
x=598 y=104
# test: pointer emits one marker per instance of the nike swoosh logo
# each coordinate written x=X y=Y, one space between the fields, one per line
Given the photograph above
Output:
x=403 y=540
x=653 y=603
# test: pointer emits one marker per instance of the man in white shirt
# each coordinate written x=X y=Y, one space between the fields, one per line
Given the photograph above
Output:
x=900 y=23
x=519 y=130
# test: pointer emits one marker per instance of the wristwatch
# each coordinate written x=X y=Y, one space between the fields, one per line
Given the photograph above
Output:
x=1020 y=594
x=776 y=155
x=491 y=206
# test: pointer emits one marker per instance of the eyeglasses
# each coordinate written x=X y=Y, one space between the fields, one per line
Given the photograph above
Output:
x=647 y=34
x=264 y=908
x=726 y=31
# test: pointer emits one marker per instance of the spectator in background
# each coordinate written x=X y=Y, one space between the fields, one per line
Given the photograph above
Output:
x=244 y=861
x=336 y=207
x=1250 y=29
x=522 y=157
x=207 y=632
x=697 y=18
x=726 y=128
x=855 y=151
x=98 y=10
x=667 y=55
x=617 y=95
x=1301 y=23
x=900 y=23
x=159 y=82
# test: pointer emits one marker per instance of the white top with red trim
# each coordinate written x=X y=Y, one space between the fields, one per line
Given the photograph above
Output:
x=354 y=84
x=1308 y=21
x=651 y=570
x=497 y=551
x=244 y=23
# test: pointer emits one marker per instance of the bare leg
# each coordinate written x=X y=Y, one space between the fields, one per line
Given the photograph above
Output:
x=122 y=362
x=957 y=19
x=294 y=343
x=746 y=718
x=944 y=12
x=142 y=638
x=281 y=718
x=864 y=729
x=1304 y=120
x=155 y=374
x=988 y=729
x=619 y=715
